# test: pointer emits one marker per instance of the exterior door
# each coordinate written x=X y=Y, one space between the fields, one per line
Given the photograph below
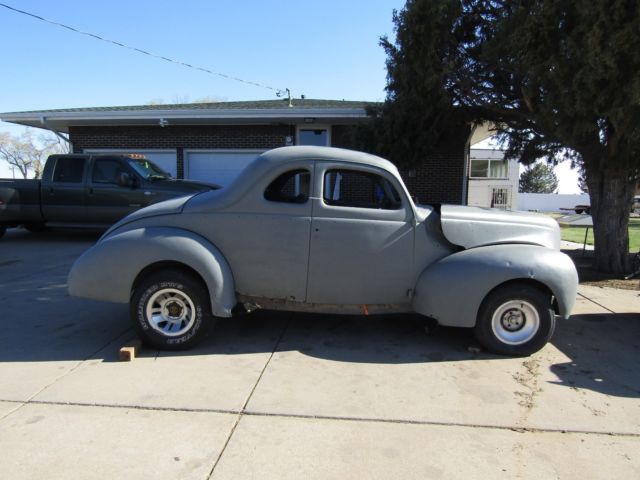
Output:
x=362 y=238
x=219 y=167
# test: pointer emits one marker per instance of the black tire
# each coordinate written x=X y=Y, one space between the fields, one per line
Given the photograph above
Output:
x=181 y=302
x=3 y=229
x=517 y=320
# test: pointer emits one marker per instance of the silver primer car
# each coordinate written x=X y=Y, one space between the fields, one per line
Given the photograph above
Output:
x=330 y=231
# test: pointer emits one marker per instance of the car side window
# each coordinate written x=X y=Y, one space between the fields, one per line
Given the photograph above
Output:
x=69 y=169
x=352 y=188
x=290 y=187
x=106 y=170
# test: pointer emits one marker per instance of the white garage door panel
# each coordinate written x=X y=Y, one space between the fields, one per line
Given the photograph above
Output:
x=165 y=159
x=221 y=168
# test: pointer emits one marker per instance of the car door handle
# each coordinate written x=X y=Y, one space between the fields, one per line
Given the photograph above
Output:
x=148 y=193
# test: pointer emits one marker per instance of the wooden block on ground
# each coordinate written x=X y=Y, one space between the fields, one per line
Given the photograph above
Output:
x=129 y=351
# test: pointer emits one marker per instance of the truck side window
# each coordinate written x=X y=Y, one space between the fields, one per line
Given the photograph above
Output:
x=290 y=187
x=351 y=188
x=105 y=170
x=69 y=169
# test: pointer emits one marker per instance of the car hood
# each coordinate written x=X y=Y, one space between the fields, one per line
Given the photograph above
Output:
x=471 y=227
x=167 y=207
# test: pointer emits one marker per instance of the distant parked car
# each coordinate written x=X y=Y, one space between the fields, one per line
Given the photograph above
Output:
x=330 y=231
x=582 y=209
x=635 y=207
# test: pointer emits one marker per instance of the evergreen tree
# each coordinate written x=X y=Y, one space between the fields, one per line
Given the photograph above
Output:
x=559 y=78
x=538 y=178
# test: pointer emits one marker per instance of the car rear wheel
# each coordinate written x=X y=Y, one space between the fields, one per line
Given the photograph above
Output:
x=516 y=319
x=170 y=310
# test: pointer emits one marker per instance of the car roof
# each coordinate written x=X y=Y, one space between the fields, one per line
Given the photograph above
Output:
x=296 y=153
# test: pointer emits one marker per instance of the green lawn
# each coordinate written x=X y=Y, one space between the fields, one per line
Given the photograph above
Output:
x=576 y=234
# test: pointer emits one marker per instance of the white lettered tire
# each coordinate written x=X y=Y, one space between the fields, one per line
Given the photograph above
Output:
x=170 y=310
x=516 y=319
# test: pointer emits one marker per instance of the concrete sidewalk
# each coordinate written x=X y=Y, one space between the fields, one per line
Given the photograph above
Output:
x=290 y=396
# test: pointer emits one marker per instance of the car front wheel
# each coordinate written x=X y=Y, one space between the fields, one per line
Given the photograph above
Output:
x=170 y=310
x=516 y=319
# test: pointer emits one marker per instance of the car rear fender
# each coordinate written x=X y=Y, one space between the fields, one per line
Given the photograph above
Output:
x=108 y=270
x=452 y=289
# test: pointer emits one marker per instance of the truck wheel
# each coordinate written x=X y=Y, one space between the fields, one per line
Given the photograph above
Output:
x=516 y=320
x=170 y=310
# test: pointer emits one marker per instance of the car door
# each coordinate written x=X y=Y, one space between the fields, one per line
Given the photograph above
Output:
x=265 y=235
x=108 y=202
x=362 y=239
x=63 y=192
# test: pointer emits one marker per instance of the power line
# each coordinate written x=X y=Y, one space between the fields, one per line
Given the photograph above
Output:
x=279 y=91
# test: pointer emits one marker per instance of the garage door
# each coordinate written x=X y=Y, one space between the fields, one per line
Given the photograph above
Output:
x=218 y=167
x=165 y=159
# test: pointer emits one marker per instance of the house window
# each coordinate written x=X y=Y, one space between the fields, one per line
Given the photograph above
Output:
x=290 y=187
x=318 y=137
x=348 y=188
x=489 y=168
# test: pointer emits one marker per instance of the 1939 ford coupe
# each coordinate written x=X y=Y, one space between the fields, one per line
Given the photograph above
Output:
x=330 y=231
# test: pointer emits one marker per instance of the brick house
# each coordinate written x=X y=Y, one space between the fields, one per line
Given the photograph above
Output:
x=215 y=141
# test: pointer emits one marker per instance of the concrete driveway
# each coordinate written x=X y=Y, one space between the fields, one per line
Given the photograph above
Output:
x=278 y=396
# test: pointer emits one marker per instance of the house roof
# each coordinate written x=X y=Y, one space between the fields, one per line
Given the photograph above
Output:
x=247 y=112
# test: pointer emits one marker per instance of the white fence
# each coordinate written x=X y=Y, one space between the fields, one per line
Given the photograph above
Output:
x=550 y=202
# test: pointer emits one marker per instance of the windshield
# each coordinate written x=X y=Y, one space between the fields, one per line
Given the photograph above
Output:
x=147 y=169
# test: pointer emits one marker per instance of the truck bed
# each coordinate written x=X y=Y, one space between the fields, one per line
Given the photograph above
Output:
x=20 y=202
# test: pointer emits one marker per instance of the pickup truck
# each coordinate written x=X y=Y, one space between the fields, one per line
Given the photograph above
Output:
x=92 y=191
x=325 y=230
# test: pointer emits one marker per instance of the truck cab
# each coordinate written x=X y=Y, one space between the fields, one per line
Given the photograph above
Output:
x=89 y=190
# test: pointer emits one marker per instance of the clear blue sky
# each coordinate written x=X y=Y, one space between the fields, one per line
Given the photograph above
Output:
x=326 y=49
x=322 y=50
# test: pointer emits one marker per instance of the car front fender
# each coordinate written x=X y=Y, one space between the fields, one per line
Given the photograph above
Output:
x=108 y=270
x=452 y=289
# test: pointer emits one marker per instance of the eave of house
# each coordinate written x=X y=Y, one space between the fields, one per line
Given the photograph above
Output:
x=231 y=113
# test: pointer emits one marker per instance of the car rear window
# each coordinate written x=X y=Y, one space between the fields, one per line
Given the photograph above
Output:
x=290 y=187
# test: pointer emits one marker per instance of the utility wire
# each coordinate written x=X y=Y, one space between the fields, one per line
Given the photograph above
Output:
x=279 y=91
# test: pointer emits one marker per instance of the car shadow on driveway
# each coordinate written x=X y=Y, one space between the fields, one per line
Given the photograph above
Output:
x=384 y=339
x=603 y=352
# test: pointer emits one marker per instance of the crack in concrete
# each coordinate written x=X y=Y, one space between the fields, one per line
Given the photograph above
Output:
x=244 y=407
x=596 y=303
x=249 y=413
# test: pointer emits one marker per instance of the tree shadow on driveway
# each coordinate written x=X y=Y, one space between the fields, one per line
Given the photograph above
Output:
x=604 y=350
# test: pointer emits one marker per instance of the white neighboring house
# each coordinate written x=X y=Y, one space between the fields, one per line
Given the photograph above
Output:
x=493 y=181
